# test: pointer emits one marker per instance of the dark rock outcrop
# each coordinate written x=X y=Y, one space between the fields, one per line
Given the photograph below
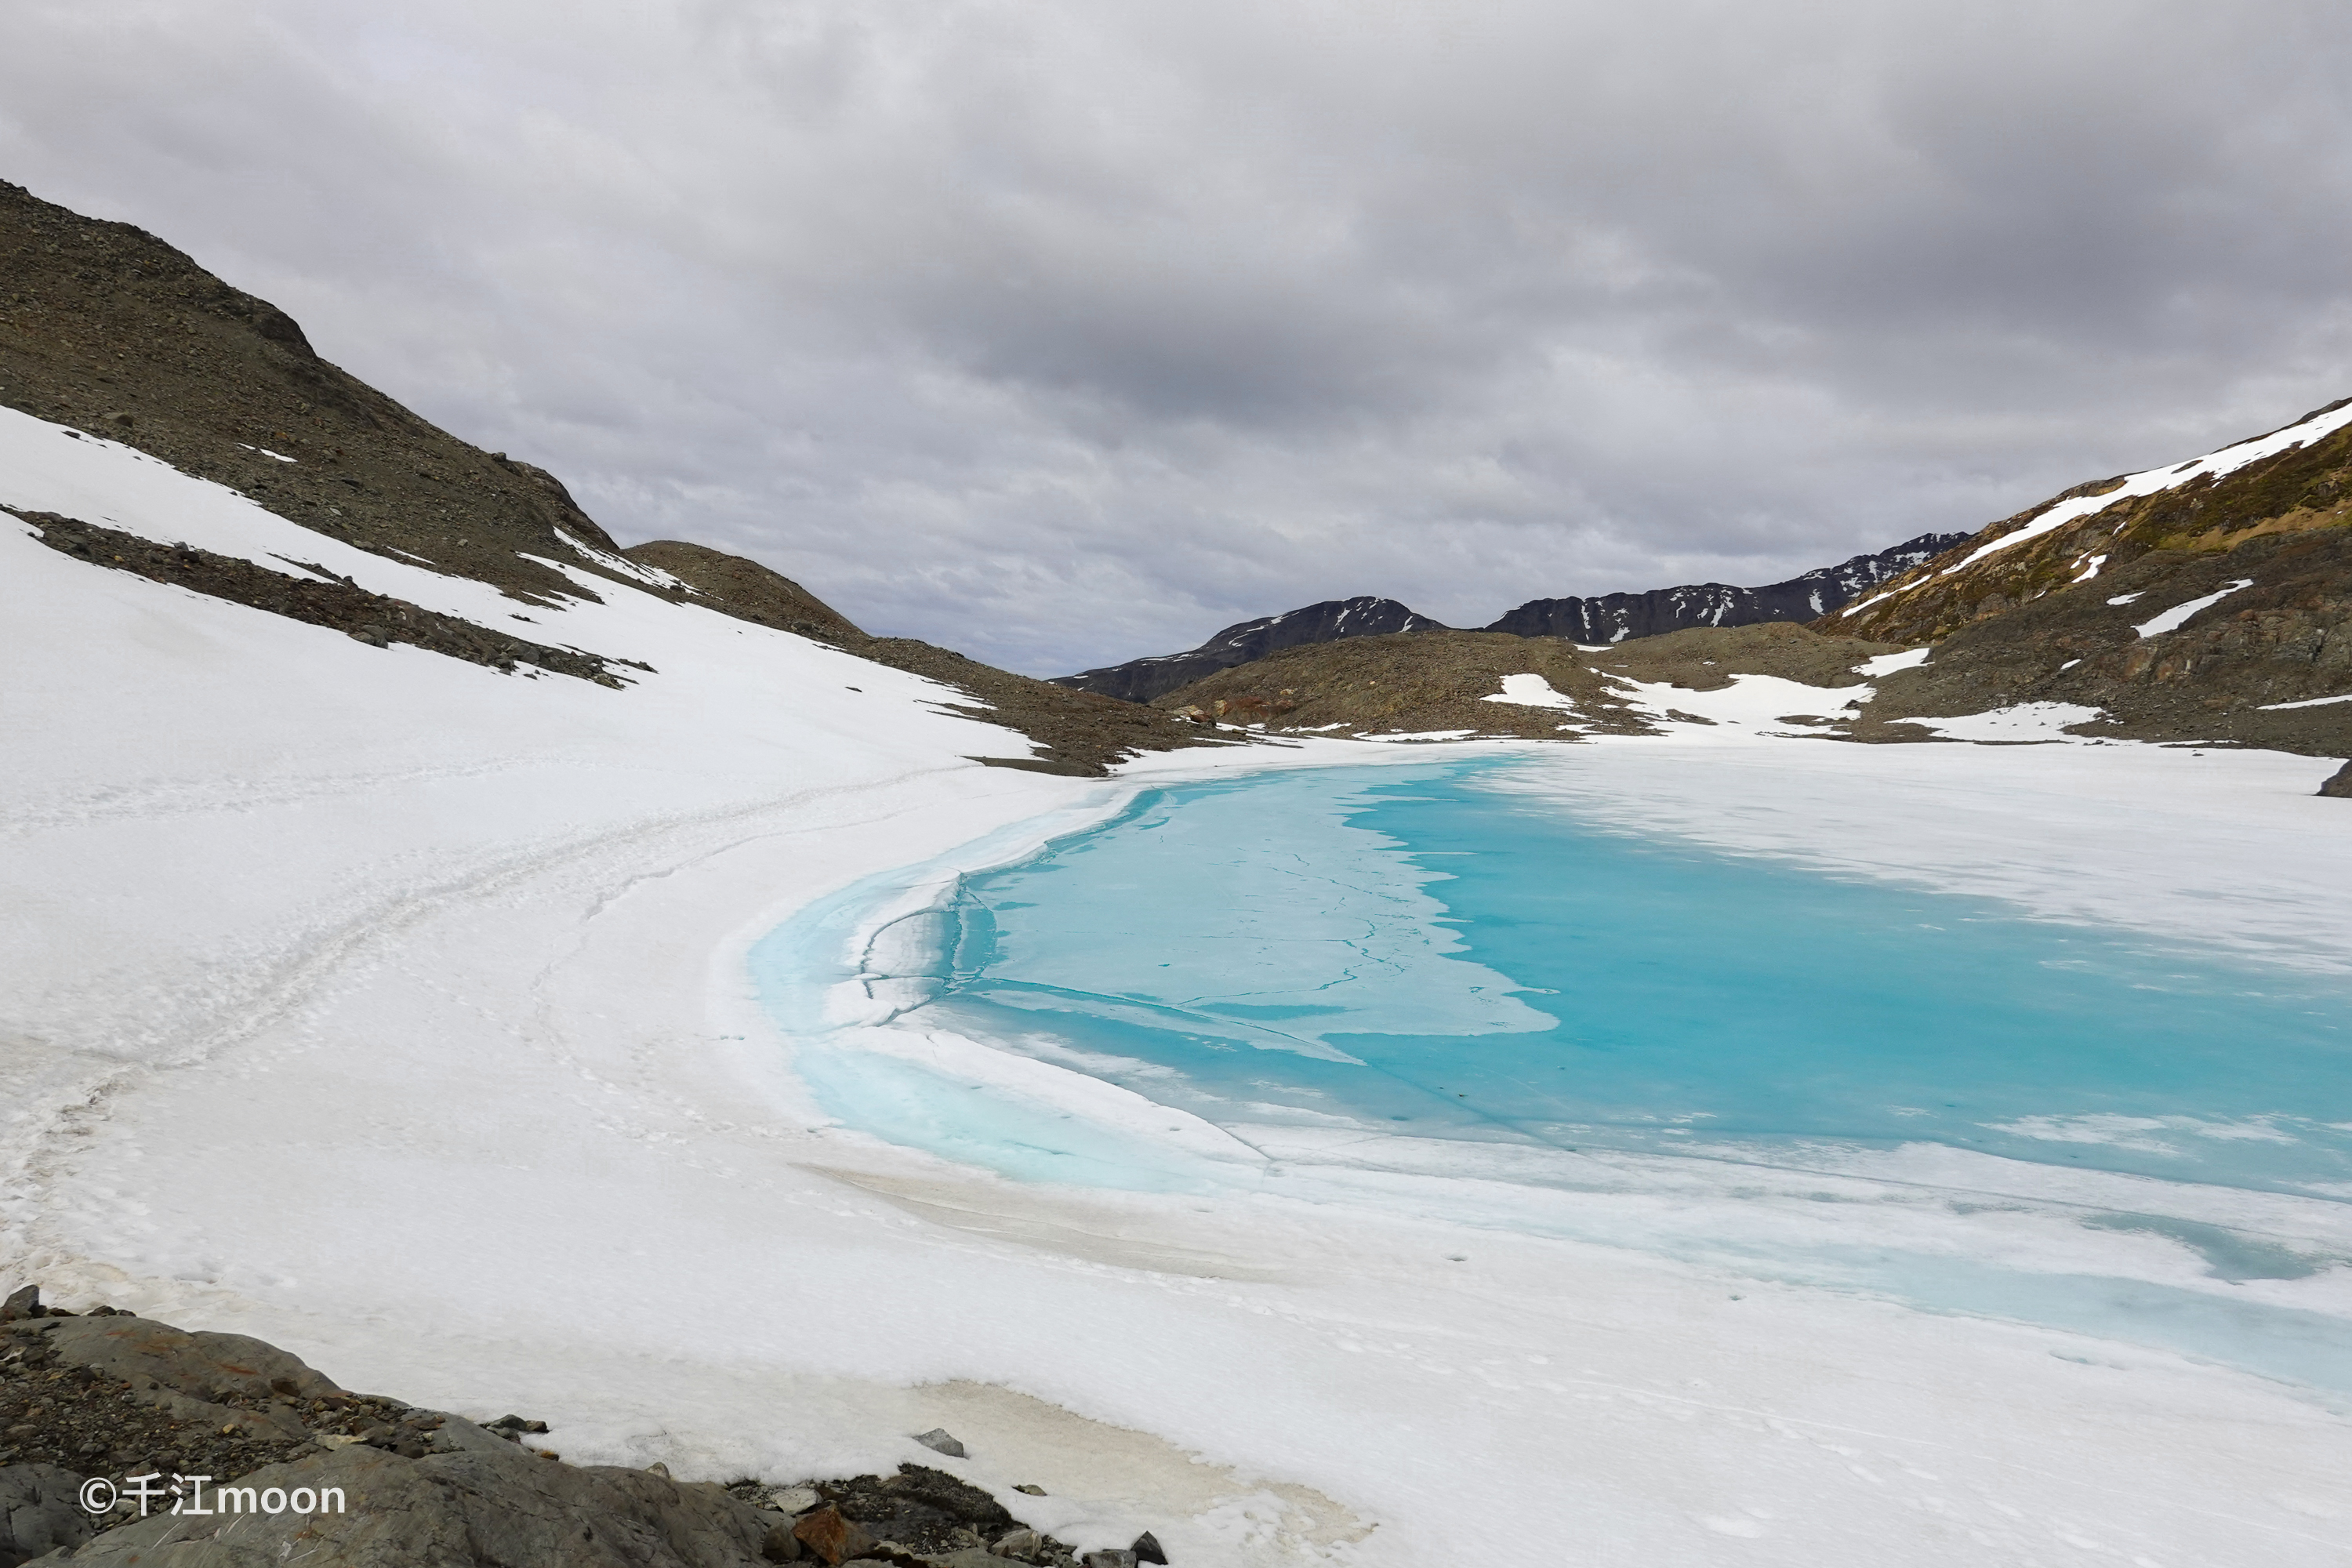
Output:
x=2339 y=784
x=1614 y=618
x=1143 y=680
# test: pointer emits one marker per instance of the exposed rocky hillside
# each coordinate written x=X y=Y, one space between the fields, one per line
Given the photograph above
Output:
x=2209 y=600
x=745 y=589
x=1439 y=682
x=107 y=329
x=1614 y=618
x=1142 y=679
x=1607 y=618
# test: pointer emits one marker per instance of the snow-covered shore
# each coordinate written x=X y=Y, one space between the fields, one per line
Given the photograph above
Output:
x=398 y=1011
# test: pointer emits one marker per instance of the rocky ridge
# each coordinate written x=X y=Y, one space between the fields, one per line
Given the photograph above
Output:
x=96 y=1400
x=1615 y=617
x=1603 y=619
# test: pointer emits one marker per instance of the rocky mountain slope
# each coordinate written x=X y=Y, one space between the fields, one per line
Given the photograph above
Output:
x=1605 y=619
x=2204 y=601
x=106 y=328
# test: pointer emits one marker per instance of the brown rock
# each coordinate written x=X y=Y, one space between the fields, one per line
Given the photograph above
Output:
x=833 y=1538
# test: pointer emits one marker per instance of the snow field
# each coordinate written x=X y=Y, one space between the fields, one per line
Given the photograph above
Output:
x=400 y=1012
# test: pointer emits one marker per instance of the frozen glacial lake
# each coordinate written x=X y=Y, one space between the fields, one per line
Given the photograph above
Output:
x=1427 y=987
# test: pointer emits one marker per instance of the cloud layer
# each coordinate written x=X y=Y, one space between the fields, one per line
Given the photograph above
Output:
x=1061 y=333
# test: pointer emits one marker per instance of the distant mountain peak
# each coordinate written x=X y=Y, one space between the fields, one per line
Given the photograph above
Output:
x=1609 y=618
x=1614 y=617
x=1245 y=642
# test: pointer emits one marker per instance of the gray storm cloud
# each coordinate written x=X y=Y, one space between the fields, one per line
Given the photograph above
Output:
x=1063 y=332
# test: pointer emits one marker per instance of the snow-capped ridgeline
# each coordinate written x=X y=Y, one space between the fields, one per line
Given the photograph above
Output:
x=2149 y=482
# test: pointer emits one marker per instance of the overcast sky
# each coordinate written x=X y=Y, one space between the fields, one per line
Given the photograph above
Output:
x=1065 y=331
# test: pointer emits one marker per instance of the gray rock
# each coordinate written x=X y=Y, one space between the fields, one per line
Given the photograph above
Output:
x=40 y=1510
x=2339 y=786
x=938 y=1441
x=485 y=1502
x=24 y=1303
x=1108 y=1560
x=1016 y=1544
x=1147 y=1548
x=141 y=1351
x=181 y=1373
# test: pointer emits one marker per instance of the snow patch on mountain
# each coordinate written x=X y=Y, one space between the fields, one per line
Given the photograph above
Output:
x=2179 y=615
x=2023 y=721
x=1887 y=664
x=1530 y=690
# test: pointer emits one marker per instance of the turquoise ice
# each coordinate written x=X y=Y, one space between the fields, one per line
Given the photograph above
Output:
x=1411 y=952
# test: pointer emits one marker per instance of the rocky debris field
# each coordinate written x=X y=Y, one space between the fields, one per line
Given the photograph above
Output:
x=103 y=1397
